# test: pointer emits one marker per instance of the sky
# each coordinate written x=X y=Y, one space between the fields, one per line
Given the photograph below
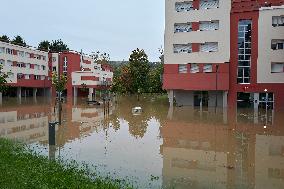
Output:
x=111 y=26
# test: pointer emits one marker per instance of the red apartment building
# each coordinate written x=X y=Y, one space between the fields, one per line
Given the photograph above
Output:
x=30 y=72
x=227 y=53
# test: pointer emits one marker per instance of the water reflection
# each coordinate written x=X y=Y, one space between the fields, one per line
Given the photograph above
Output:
x=204 y=150
x=181 y=147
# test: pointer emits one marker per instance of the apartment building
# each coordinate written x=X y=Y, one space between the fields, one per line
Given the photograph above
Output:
x=224 y=53
x=30 y=72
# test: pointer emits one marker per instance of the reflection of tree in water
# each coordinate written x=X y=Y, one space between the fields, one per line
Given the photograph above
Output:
x=152 y=108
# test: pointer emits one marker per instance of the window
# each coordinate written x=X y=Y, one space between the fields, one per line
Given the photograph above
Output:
x=37 y=67
x=43 y=67
x=54 y=68
x=20 y=65
x=27 y=76
x=277 y=67
x=20 y=76
x=207 y=68
x=182 y=48
x=184 y=6
x=209 y=4
x=11 y=76
x=36 y=77
x=209 y=47
x=9 y=51
x=277 y=44
x=277 y=21
x=194 y=68
x=187 y=27
x=209 y=25
x=2 y=49
x=21 y=53
x=28 y=65
x=44 y=58
x=53 y=59
x=9 y=63
x=182 y=68
x=244 y=51
x=65 y=64
x=28 y=55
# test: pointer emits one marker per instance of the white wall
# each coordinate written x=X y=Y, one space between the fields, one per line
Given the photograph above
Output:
x=265 y=54
x=222 y=36
x=20 y=59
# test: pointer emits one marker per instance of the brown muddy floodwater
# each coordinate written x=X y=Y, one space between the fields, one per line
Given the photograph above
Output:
x=183 y=147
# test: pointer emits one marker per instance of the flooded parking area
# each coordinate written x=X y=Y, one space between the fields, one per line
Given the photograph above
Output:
x=161 y=147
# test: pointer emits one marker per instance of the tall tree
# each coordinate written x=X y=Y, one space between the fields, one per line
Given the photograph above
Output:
x=4 y=38
x=44 y=45
x=18 y=40
x=58 y=46
x=139 y=68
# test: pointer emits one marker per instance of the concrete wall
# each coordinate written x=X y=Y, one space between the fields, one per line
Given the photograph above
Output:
x=184 y=98
x=212 y=98
x=265 y=54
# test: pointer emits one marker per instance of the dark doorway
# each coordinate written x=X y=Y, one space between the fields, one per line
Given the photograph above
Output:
x=201 y=98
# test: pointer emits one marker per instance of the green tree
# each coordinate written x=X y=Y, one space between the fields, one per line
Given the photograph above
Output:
x=4 y=38
x=155 y=78
x=3 y=80
x=101 y=58
x=58 y=46
x=59 y=83
x=139 y=69
x=44 y=45
x=18 y=40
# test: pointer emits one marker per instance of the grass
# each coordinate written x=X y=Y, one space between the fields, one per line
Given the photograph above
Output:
x=22 y=168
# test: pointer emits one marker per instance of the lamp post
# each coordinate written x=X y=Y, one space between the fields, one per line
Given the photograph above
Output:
x=266 y=106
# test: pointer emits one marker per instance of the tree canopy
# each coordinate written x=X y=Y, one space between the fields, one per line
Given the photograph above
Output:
x=44 y=45
x=138 y=75
x=5 y=38
x=58 y=46
x=18 y=40
x=59 y=83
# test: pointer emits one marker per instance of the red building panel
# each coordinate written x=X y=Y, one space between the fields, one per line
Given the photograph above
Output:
x=196 y=81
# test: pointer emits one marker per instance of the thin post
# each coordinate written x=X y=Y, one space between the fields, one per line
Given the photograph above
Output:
x=216 y=99
x=59 y=93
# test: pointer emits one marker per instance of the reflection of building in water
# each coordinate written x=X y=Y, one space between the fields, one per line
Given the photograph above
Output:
x=29 y=124
x=195 y=154
x=78 y=122
x=269 y=162
x=203 y=154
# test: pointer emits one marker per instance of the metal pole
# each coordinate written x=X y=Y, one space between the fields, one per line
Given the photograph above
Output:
x=216 y=99
x=266 y=107
x=59 y=94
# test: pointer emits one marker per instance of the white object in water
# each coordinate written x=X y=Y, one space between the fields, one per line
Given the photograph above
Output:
x=136 y=110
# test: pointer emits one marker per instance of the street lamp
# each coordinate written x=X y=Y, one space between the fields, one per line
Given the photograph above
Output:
x=266 y=106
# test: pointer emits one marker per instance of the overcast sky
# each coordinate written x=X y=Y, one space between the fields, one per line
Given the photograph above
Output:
x=113 y=26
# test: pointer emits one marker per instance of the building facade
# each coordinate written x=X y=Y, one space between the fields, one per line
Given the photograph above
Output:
x=30 y=72
x=225 y=53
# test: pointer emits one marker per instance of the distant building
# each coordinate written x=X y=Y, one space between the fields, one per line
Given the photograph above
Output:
x=30 y=71
x=225 y=52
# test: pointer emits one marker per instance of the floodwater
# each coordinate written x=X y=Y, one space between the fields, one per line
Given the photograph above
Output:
x=182 y=147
